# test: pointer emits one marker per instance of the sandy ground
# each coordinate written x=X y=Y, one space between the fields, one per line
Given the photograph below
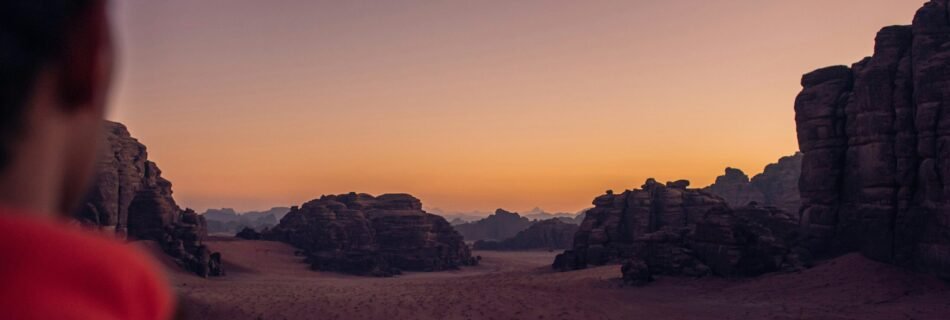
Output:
x=266 y=281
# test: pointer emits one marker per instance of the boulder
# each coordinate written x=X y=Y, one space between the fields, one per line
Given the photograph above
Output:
x=636 y=273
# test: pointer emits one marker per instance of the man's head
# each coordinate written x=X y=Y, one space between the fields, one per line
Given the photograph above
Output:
x=55 y=69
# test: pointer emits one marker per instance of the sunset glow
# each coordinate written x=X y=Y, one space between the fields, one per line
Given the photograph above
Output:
x=470 y=105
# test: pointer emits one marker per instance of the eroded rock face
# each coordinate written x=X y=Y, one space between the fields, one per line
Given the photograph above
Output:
x=499 y=226
x=874 y=137
x=734 y=187
x=779 y=183
x=366 y=235
x=674 y=230
x=777 y=186
x=131 y=199
x=548 y=234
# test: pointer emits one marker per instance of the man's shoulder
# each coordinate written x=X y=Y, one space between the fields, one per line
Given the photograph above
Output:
x=77 y=269
x=45 y=240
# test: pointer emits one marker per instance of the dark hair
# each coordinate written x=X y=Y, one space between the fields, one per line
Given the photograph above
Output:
x=32 y=34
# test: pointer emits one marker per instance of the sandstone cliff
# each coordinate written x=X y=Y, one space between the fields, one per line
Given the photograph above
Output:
x=776 y=186
x=366 y=235
x=874 y=137
x=548 y=234
x=131 y=199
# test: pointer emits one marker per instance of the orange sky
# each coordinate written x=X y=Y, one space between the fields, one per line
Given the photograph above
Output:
x=471 y=105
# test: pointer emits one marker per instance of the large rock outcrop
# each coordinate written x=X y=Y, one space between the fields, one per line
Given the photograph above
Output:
x=876 y=143
x=670 y=229
x=366 y=235
x=131 y=199
x=776 y=186
x=499 y=226
x=547 y=234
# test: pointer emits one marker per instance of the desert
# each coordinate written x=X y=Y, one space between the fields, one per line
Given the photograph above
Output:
x=267 y=281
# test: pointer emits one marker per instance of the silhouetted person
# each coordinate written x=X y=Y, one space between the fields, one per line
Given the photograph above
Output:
x=55 y=68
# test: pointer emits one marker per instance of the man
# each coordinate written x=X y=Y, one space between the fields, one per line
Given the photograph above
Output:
x=55 y=70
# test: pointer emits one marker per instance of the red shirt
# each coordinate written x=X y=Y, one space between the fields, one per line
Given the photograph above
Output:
x=50 y=270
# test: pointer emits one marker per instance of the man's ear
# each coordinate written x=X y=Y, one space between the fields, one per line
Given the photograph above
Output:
x=87 y=58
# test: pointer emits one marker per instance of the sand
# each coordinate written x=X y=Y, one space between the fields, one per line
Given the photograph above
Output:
x=266 y=281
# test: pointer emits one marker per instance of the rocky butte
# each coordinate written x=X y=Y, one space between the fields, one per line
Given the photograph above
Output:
x=131 y=199
x=876 y=143
x=377 y=236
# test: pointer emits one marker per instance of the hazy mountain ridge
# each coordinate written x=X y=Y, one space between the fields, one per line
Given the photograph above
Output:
x=228 y=221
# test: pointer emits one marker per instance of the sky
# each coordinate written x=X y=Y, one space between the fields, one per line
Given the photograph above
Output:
x=470 y=105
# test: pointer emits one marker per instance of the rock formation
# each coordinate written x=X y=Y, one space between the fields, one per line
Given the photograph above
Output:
x=499 y=226
x=736 y=188
x=548 y=234
x=777 y=186
x=674 y=230
x=366 y=235
x=131 y=199
x=779 y=183
x=874 y=137
x=248 y=234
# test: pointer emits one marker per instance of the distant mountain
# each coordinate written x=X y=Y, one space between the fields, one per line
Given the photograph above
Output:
x=499 y=226
x=456 y=217
x=548 y=234
x=227 y=221
x=539 y=214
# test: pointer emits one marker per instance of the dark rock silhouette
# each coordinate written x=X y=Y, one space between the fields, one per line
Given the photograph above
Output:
x=131 y=199
x=249 y=234
x=378 y=236
x=674 y=230
x=874 y=137
x=777 y=186
x=548 y=234
x=499 y=226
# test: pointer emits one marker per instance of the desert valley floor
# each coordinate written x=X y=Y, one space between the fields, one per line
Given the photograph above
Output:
x=267 y=281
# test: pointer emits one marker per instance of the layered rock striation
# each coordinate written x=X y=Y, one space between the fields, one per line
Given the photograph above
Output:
x=875 y=139
x=547 y=234
x=365 y=235
x=131 y=199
